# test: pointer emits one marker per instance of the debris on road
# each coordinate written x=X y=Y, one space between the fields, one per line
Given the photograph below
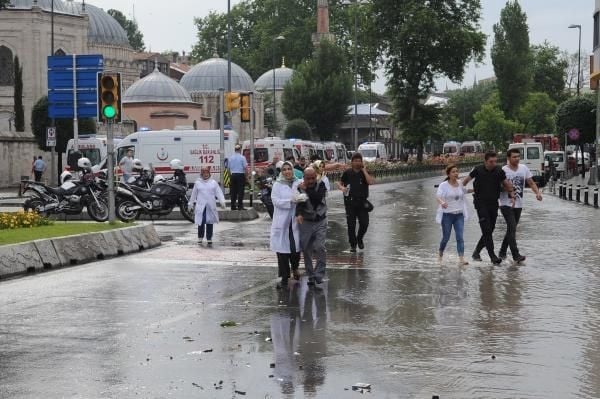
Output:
x=228 y=323
x=361 y=387
x=240 y=392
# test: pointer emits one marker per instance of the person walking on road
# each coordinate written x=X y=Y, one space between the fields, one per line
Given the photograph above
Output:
x=312 y=219
x=285 y=235
x=452 y=212
x=204 y=197
x=518 y=175
x=237 y=165
x=39 y=167
x=489 y=179
x=355 y=184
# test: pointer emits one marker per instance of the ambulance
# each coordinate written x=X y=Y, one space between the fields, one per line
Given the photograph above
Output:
x=195 y=148
x=306 y=148
x=91 y=146
x=265 y=149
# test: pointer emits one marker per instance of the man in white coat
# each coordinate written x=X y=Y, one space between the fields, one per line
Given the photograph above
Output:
x=204 y=196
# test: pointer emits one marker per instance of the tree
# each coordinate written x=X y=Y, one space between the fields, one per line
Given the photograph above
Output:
x=577 y=113
x=548 y=71
x=4 y=4
x=492 y=126
x=511 y=56
x=255 y=23
x=422 y=40
x=320 y=91
x=570 y=72
x=18 y=97
x=298 y=129
x=136 y=38
x=64 y=127
x=464 y=103
x=537 y=114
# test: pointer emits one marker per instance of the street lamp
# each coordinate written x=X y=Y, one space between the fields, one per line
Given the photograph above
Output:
x=578 y=57
x=275 y=39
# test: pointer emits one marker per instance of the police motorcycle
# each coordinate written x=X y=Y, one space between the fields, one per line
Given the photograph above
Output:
x=71 y=197
x=158 y=200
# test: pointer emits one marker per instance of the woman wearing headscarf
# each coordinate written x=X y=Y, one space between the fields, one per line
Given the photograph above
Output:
x=319 y=167
x=285 y=236
x=204 y=195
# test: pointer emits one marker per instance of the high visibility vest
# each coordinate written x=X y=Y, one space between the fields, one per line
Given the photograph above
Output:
x=227 y=178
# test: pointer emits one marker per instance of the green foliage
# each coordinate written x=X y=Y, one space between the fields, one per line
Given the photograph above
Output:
x=136 y=38
x=464 y=103
x=511 y=56
x=548 y=70
x=420 y=41
x=298 y=129
x=578 y=113
x=18 y=97
x=493 y=127
x=320 y=91
x=537 y=114
x=255 y=23
x=64 y=127
x=4 y=4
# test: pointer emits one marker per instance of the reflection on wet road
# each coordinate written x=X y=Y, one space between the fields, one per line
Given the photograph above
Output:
x=391 y=316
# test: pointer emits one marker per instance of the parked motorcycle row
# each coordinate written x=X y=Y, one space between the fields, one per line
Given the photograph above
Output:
x=146 y=193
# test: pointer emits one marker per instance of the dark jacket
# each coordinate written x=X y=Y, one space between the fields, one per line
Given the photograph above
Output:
x=315 y=208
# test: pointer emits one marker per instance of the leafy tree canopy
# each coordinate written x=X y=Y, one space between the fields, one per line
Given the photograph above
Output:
x=136 y=38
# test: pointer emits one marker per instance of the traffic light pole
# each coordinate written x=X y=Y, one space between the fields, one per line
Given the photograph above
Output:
x=110 y=149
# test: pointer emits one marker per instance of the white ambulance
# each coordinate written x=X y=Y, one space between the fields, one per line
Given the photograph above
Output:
x=306 y=148
x=373 y=151
x=91 y=146
x=265 y=149
x=195 y=148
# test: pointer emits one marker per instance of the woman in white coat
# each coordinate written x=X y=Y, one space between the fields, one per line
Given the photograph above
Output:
x=204 y=196
x=285 y=236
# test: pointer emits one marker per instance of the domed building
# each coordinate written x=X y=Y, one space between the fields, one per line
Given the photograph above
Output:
x=265 y=85
x=205 y=79
x=79 y=28
x=159 y=102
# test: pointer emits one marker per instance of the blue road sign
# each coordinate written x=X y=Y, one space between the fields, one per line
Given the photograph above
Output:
x=60 y=85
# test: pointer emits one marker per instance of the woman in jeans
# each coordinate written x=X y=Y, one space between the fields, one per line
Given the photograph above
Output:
x=285 y=236
x=452 y=212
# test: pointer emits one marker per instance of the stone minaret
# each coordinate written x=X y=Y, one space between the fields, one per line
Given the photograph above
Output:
x=322 y=24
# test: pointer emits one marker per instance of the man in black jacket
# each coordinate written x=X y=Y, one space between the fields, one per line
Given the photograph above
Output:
x=311 y=212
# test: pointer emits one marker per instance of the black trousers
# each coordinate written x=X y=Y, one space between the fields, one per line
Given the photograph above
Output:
x=238 y=183
x=285 y=261
x=38 y=175
x=356 y=210
x=488 y=215
x=512 y=217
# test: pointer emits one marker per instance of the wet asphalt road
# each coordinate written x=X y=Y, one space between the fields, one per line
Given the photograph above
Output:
x=390 y=316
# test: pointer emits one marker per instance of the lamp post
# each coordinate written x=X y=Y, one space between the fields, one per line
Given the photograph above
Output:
x=228 y=46
x=578 y=58
x=275 y=39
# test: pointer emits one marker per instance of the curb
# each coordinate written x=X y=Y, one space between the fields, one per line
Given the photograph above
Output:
x=39 y=255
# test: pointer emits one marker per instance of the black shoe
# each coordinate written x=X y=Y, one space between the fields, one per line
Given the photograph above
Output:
x=234 y=209
x=476 y=257
x=502 y=255
x=361 y=244
x=496 y=261
x=282 y=284
x=209 y=243
x=519 y=259
x=241 y=209
x=310 y=282
x=353 y=248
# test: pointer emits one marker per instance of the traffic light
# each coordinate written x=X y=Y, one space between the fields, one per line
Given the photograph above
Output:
x=109 y=97
x=245 y=107
x=232 y=101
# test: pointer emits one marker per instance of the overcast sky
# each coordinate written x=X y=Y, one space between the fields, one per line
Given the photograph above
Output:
x=169 y=25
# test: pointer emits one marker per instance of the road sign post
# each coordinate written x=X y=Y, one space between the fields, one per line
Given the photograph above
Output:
x=51 y=142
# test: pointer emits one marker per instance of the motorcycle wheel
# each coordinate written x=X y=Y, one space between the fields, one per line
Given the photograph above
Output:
x=98 y=211
x=33 y=204
x=187 y=214
x=124 y=213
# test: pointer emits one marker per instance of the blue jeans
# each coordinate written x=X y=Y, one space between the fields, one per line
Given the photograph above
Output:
x=209 y=228
x=458 y=221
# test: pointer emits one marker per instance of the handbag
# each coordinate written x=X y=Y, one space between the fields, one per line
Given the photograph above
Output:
x=368 y=206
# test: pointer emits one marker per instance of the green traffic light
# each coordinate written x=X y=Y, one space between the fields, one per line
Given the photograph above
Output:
x=109 y=112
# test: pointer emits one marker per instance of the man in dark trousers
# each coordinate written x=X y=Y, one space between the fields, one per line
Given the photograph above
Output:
x=355 y=184
x=489 y=181
x=237 y=165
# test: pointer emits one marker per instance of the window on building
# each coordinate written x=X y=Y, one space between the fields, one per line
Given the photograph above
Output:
x=596 y=30
x=6 y=67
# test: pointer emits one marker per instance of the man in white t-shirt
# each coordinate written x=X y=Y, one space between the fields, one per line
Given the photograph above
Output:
x=518 y=175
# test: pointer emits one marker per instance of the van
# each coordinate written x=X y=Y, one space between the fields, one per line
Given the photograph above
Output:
x=320 y=148
x=451 y=148
x=373 y=151
x=341 y=153
x=471 y=147
x=195 y=148
x=532 y=155
x=557 y=158
x=306 y=148
x=92 y=147
x=267 y=148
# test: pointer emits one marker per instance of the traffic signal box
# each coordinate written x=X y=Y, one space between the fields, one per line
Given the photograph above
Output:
x=245 y=107
x=232 y=101
x=109 y=97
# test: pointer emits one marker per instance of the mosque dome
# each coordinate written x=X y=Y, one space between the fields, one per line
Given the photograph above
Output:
x=282 y=76
x=211 y=75
x=156 y=88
